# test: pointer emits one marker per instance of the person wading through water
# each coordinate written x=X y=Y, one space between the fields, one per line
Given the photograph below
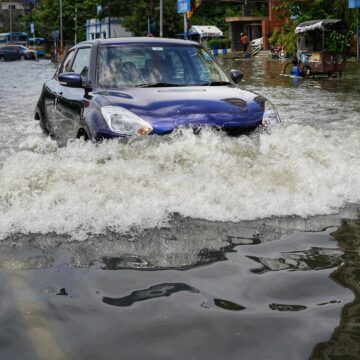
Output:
x=244 y=41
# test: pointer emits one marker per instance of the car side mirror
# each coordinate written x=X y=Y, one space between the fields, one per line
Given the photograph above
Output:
x=236 y=76
x=70 y=79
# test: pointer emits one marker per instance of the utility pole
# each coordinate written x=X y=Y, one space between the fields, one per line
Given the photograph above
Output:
x=357 y=36
x=246 y=8
x=10 y=13
x=185 y=26
x=61 y=31
x=32 y=30
x=109 y=17
x=161 y=19
x=76 y=25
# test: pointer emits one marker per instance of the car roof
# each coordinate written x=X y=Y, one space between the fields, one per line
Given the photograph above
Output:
x=138 y=41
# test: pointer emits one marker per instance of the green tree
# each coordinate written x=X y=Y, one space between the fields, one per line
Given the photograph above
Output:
x=46 y=17
x=136 y=15
x=137 y=20
x=310 y=10
x=319 y=9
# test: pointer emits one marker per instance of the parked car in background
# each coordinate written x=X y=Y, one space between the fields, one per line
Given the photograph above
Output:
x=16 y=52
x=137 y=87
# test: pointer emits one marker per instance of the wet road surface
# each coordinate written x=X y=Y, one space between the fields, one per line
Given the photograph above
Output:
x=184 y=247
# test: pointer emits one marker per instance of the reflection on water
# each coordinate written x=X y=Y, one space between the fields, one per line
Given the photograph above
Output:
x=33 y=262
x=311 y=259
x=184 y=244
x=228 y=305
x=156 y=291
x=284 y=307
x=345 y=340
x=125 y=262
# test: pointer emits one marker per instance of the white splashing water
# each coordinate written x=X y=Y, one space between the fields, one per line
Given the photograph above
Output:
x=87 y=188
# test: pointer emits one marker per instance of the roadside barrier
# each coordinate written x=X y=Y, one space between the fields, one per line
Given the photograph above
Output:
x=217 y=52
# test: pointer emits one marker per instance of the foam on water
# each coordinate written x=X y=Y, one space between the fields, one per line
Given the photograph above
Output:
x=88 y=188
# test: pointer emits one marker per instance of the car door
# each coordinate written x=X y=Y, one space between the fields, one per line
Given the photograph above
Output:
x=70 y=100
x=50 y=97
x=2 y=54
x=10 y=52
x=22 y=52
x=16 y=52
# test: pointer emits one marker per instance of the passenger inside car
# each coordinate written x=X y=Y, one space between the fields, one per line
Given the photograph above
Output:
x=115 y=72
x=131 y=74
x=154 y=69
x=112 y=71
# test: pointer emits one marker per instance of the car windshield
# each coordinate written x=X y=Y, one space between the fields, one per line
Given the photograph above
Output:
x=157 y=65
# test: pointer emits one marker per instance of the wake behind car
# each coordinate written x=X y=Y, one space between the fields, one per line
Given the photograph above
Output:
x=135 y=87
x=16 y=52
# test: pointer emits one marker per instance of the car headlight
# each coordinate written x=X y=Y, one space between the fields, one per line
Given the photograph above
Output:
x=271 y=116
x=125 y=122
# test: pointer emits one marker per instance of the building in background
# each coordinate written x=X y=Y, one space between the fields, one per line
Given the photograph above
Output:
x=10 y=10
x=254 y=26
x=105 y=28
x=16 y=5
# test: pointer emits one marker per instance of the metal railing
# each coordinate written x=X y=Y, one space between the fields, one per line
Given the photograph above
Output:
x=255 y=49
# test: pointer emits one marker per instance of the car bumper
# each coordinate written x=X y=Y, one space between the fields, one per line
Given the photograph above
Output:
x=31 y=56
x=104 y=134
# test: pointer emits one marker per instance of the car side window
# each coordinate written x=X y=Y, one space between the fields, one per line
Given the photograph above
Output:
x=81 y=63
x=66 y=65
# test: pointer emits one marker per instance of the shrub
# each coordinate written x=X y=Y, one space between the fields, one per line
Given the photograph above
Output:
x=218 y=44
x=285 y=36
x=338 y=42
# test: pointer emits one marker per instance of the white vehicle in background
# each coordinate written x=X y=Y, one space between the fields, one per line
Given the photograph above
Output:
x=204 y=33
x=256 y=45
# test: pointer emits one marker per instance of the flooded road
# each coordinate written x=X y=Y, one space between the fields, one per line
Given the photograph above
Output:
x=186 y=246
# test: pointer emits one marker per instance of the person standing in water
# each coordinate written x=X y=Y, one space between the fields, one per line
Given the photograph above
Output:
x=244 y=41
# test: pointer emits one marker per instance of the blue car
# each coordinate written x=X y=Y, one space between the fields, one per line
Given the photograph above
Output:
x=136 y=87
x=16 y=52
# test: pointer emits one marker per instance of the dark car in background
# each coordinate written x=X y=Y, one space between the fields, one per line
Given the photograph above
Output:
x=16 y=52
x=135 y=87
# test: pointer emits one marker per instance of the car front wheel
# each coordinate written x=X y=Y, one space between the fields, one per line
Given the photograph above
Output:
x=22 y=57
x=82 y=134
x=2 y=59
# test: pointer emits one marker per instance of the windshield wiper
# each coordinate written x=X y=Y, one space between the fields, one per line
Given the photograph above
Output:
x=165 y=84
x=216 y=83
x=159 y=84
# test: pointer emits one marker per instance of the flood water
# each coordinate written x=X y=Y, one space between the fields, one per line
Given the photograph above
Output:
x=186 y=246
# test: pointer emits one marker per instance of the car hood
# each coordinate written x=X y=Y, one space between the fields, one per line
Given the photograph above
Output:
x=169 y=107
